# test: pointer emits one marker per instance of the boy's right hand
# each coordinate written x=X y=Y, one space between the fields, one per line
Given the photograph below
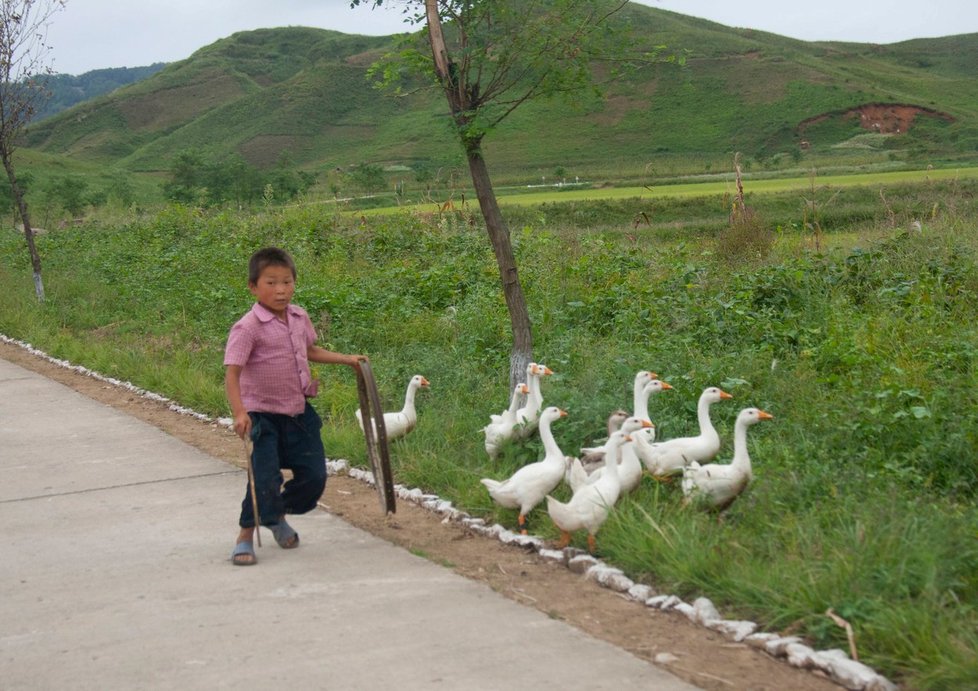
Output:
x=242 y=425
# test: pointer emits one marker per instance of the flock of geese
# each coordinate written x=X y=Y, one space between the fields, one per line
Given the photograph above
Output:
x=601 y=475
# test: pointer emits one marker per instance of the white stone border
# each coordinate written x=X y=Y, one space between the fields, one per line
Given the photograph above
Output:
x=836 y=664
x=129 y=386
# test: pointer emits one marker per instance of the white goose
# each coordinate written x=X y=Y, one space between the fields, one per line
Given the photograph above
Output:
x=526 y=416
x=719 y=485
x=595 y=454
x=669 y=457
x=592 y=457
x=642 y=441
x=629 y=465
x=502 y=427
x=642 y=378
x=656 y=386
x=588 y=508
x=527 y=487
x=398 y=424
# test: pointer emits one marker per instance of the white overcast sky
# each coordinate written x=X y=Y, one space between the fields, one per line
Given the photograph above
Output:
x=94 y=34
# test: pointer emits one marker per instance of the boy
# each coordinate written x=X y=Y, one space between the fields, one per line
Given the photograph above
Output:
x=268 y=382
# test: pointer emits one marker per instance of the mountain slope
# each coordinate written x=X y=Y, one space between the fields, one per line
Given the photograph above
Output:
x=305 y=92
x=68 y=90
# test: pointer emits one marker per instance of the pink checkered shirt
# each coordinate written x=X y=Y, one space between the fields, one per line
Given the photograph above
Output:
x=273 y=355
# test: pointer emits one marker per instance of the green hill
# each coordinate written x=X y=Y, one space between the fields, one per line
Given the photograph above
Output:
x=68 y=90
x=305 y=91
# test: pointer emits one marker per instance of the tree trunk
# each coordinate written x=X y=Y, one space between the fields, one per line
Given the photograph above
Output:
x=459 y=105
x=519 y=316
x=18 y=194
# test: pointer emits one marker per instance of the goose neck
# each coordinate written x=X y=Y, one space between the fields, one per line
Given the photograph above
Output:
x=612 y=458
x=641 y=441
x=409 y=397
x=741 y=458
x=641 y=405
x=703 y=416
x=637 y=396
x=550 y=446
x=535 y=394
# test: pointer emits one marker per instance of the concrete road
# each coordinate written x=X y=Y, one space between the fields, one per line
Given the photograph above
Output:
x=115 y=574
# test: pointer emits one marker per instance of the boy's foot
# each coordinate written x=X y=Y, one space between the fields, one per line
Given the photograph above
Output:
x=244 y=554
x=284 y=535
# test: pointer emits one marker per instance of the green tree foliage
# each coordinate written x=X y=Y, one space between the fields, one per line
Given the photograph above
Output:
x=489 y=58
x=186 y=176
x=193 y=180
x=501 y=55
x=74 y=194
x=122 y=190
x=287 y=183
x=70 y=192
x=368 y=177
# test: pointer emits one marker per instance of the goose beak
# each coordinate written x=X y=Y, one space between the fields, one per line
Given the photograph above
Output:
x=666 y=387
x=627 y=437
x=425 y=382
x=762 y=415
x=647 y=423
x=547 y=370
x=653 y=375
x=563 y=413
x=724 y=395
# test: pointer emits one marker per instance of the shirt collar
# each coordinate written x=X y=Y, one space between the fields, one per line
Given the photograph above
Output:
x=266 y=315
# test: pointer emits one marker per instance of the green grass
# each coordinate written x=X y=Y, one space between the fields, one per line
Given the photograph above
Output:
x=864 y=351
x=726 y=186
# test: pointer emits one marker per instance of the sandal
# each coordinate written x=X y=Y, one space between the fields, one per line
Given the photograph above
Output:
x=284 y=535
x=244 y=554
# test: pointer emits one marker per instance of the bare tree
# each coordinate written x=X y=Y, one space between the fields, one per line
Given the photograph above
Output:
x=489 y=57
x=23 y=49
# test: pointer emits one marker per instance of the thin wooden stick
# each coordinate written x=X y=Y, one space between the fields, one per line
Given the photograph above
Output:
x=254 y=493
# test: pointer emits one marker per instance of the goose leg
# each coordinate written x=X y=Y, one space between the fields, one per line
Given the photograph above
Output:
x=524 y=525
x=565 y=539
x=592 y=543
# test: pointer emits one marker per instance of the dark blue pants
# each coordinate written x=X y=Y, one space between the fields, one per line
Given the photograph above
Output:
x=285 y=442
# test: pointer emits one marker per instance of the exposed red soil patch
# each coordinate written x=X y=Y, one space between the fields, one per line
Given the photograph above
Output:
x=885 y=118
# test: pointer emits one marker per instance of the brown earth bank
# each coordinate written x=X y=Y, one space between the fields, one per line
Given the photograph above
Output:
x=885 y=118
x=702 y=657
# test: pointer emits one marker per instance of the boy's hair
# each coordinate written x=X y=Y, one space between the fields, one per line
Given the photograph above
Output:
x=269 y=256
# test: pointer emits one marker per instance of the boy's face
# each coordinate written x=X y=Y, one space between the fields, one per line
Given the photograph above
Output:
x=274 y=288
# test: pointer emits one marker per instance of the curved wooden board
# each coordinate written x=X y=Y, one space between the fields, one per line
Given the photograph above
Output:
x=376 y=437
